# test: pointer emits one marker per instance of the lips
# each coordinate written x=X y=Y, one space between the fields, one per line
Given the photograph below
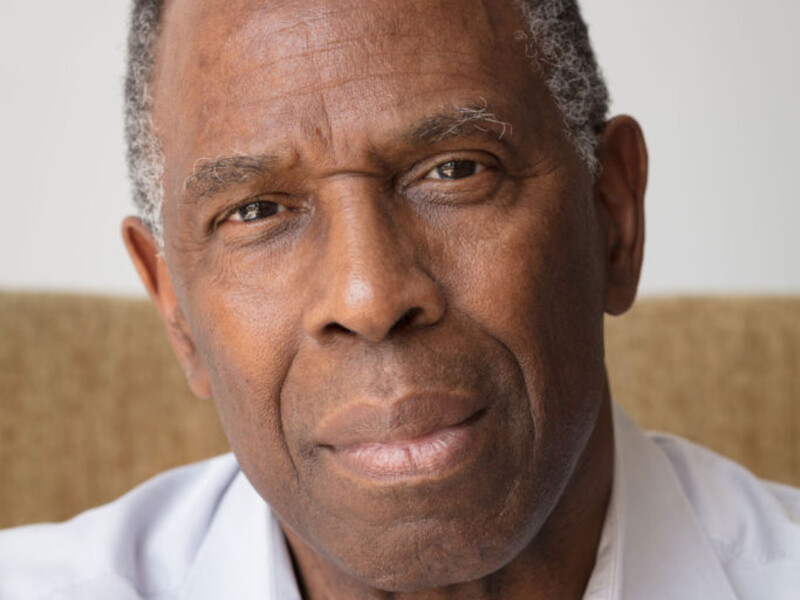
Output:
x=421 y=435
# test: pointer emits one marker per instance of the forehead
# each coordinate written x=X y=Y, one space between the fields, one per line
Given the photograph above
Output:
x=234 y=74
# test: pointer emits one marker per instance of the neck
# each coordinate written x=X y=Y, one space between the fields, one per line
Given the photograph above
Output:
x=556 y=564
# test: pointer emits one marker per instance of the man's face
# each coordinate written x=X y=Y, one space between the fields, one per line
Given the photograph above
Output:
x=389 y=261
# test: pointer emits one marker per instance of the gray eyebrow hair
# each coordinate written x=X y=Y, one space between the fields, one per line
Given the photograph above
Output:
x=462 y=120
x=213 y=175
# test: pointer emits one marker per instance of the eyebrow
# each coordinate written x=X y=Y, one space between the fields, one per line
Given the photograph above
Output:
x=211 y=176
x=460 y=121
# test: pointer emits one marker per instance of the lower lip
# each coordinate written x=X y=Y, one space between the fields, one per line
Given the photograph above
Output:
x=435 y=454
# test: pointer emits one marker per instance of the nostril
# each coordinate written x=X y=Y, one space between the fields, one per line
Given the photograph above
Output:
x=334 y=328
x=408 y=318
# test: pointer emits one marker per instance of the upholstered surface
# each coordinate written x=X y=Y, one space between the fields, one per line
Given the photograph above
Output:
x=92 y=400
x=724 y=372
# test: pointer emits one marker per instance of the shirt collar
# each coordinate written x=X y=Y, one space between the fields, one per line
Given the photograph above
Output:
x=652 y=545
x=244 y=554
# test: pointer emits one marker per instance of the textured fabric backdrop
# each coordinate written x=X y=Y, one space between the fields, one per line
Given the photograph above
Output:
x=92 y=401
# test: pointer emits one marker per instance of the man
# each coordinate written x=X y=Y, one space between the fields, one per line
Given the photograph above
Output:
x=382 y=236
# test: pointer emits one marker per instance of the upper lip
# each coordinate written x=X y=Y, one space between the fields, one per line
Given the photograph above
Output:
x=411 y=416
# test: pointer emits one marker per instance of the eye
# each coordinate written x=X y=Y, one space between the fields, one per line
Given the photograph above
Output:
x=256 y=211
x=455 y=169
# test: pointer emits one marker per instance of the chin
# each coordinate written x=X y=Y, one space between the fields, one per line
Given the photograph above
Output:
x=439 y=566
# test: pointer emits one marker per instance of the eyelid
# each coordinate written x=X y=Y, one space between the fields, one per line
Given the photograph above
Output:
x=479 y=168
x=230 y=215
x=421 y=170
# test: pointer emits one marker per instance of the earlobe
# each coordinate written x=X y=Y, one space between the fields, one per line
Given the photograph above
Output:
x=620 y=189
x=152 y=268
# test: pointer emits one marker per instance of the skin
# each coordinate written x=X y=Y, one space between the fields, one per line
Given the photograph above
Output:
x=370 y=281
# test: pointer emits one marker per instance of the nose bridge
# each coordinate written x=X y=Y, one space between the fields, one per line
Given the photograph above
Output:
x=367 y=254
x=370 y=279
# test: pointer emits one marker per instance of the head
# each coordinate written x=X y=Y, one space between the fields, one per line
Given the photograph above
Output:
x=390 y=233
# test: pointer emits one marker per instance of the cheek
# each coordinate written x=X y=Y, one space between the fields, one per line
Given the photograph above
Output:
x=535 y=275
x=244 y=330
x=535 y=286
x=243 y=318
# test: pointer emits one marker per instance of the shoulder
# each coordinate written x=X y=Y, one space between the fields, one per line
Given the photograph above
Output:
x=753 y=525
x=139 y=546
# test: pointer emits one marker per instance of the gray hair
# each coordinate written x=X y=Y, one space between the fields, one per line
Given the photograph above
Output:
x=145 y=158
x=557 y=41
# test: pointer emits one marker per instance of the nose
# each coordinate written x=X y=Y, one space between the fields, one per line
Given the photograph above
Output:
x=369 y=282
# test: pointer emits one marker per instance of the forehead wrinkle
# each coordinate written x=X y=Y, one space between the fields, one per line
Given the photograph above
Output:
x=290 y=45
x=293 y=37
x=303 y=30
x=326 y=58
x=382 y=86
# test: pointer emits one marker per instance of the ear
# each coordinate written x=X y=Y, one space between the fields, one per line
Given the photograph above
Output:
x=152 y=269
x=620 y=190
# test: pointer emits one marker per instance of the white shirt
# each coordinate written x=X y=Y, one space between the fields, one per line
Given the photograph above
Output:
x=683 y=523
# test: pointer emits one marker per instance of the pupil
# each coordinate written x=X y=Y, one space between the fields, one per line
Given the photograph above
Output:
x=457 y=169
x=257 y=210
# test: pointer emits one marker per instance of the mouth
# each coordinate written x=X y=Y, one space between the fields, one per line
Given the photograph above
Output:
x=434 y=454
x=420 y=438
